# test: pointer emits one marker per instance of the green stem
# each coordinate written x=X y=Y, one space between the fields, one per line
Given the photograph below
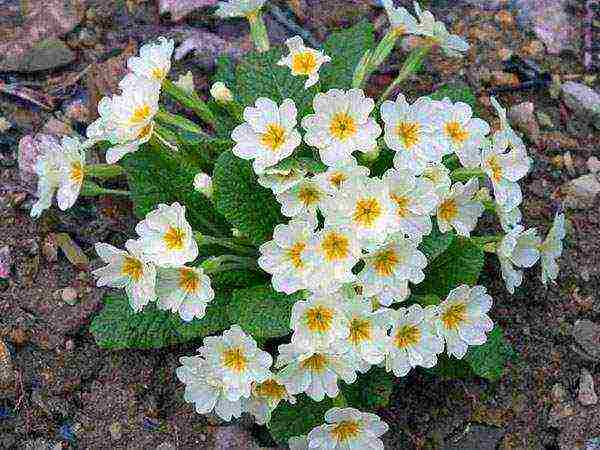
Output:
x=229 y=243
x=191 y=101
x=166 y=118
x=371 y=60
x=224 y=263
x=89 y=189
x=487 y=243
x=340 y=401
x=103 y=171
x=465 y=174
x=258 y=30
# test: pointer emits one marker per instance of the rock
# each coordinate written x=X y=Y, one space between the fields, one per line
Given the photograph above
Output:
x=487 y=4
x=234 y=437
x=115 y=431
x=45 y=55
x=581 y=192
x=57 y=128
x=586 y=395
x=593 y=164
x=208 y=46
x=76 y=110
x=569 y=164
x=7 y=373
x=69 y=296
x=166 y=446
x=587 y=334
x=562 y=406
x=583 y=101
x=5 y=125
x=181 y=8
x=6 y=261
x=476 y=437
x=556 y=141
x=72 y=251
x=50 y=248
x=544 y=119
x=42 y=444
x=500 y=78
x=521 y=115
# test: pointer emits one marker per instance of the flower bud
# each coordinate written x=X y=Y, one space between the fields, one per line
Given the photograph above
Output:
x=203 y=184
x=186 y=83
x=221 y=93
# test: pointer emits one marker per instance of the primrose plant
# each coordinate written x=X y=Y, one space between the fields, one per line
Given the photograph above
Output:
x=320 y=242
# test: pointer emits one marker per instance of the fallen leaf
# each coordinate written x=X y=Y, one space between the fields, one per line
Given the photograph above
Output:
x=72 y=251
x=181 y=8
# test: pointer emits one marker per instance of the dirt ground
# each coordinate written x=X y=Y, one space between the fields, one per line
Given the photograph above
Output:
x=59 y=390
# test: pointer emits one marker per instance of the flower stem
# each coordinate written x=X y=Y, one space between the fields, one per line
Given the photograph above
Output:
x=89 y=189
x=167 y=118
x=224 y=263
x=487 y=243
x=258 y=30
x=229 y=243
x=372 y=59
x=465 y=174
x=191 y=101
x=340 y=401
x=103 y=171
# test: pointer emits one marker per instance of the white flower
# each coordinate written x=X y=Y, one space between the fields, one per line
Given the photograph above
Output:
x=518 y=248
x=184 y=290
x=239 y=8
x=341 y=125
x=414 y=200
x=451 y=44
x=166 y=237
x=506 y=137
x=510 y=218
x=401 y=20
x=60 y=169
x=304 y=60
x=302 y=200
x=413 y=340
x=348 y=428
x=285 y=256
x=129 y=270
x=154 y=61
x=126 y=120
x=205 y=388
x=389 y=268
x=413 y=132
x=465 y=134
x=298 y=443
x=439 y=175
x=364 y=206
x=265 y=398
x=552 y=248
x=186 y=82
x=332 y=253
x=463 y=320
x=268 y=134
x=237 y=361
x=458 y=209
x=280 y=180
x=335 y=177
x=315 y=372
x=203 y=183
x=318 y=321
x=221 y=93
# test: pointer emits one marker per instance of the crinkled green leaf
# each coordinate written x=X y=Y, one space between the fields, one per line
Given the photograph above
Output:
x=461 y=263
x=488 y=360
x=117 y=326
x=251 y=208
x=458 y=92
x=436 y=243
x=345 y=47
x=372 y=390
x=296 y=420
x=450 y=368
x=234 y=279
x=423 y=300
x=383 y=163
x=261 y=311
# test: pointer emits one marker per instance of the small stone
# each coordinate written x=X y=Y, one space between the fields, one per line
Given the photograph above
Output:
x=534 y=48
x=568 y=162
x=69 y=296
x=72 y=251
x=583 y=101
x=166 y=446
x=234 y=436
x=555 y=141
x=504 y=18
x=5 y=125
x=544 y=119
x=18 y=336
x=593 y=164
x=500 y=78
x=521 y=115
x=581 y=192
x=77 y=110
x=115 y=431
x=57 y=128
x=50 y=249
x=45 y=55
x=6 y=261
x=586 y=396
x=587 y=335
x=562 y=406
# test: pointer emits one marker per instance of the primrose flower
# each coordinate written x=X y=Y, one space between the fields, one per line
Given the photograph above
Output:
x=285 y=256
x=401 y=21
x=341 y=125
x=304 y=60
x=239 y=8
x=221 y=93
x=348 y=428
x=166 y=237
x=126 y=120
x=154 y=61
x=302 y=200
x=268 y=134
x=127 y=269
x=389 y=268
x=315 y=372
x=506 y=137
x=552 y=248
x=281 y=180
x=298 y=443
x=186 y=82
x=414 y=199
x=184 y=290
x=451 y=44
x=509 y=219
x=458 y=208
x=462 y=319
x=413 y=132
x=60 y=170
x=439 y=175
x=265 y=398
x=413 y=340
x=335 y=177
x=518 y=248
x=203 y=184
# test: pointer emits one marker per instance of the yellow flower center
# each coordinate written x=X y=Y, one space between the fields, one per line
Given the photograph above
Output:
x=406 y=336
x=294 y=254
x=402 y=203
x=457 y=132
x=408 y=132
x=76 y=172
x=399 y=30
x=234 y=359
x=342 y=126
x=141 y=114
x=144 y=132
x=454 y=316
x=337 y=179
x=319 y=319
x=495 y=167
x=133 y=268
x=385 y=261
x=188 y=280
x=345 y=430
x=158 y=73
x=274 y=137
x=360 y=330
x=335 y=246
x=270 y=389
x=309 y=195
x=366 y=212
x=448 y=210
x=174 y=238
x=304 y=63
x=314 y=363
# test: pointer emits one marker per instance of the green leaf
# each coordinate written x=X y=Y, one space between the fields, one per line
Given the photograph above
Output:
x=156 y=177
x=258 y=75
x=117 y=326
x=457 y=92
x=234 y=279
x=383 y=163
x=371 y=391
x=225 y=71
x=436 y=243
x=346 y=48
x=261 y=311
x=488 y=360
x=251 y=208
x=296 y=420
x=460 y=264
x=423 y=300
x=450 y=368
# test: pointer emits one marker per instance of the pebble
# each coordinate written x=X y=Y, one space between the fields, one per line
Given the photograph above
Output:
x=569 y=164
x=500 y=78
x=581 y=192
x=69 y=296
x=50 y=249
x=593 y=164
x=522 y=116
x=587 y=334
x=555 y=141
x=586 y=395
x=18 y=336
x=544 y=119
x=562 y=406
x=4 y=125
x=6 y=261
x=583 y=101
x=115 y=431
x=45 y=55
